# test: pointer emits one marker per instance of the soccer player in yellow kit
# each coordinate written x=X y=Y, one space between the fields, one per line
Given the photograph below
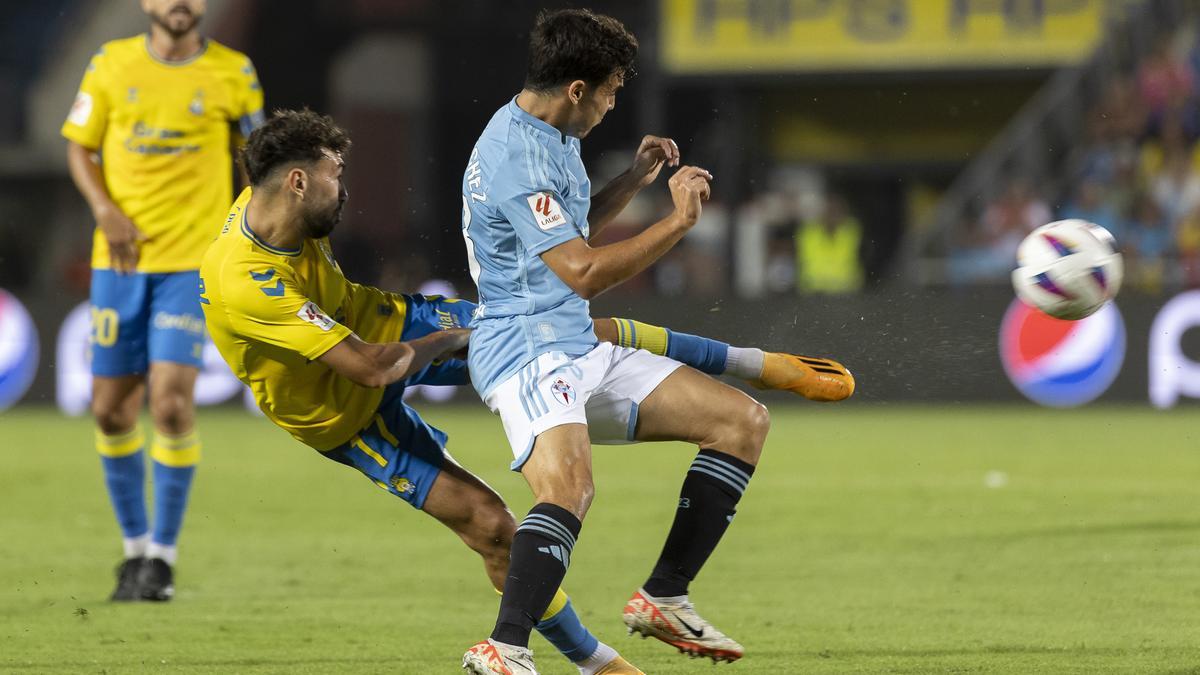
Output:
x=150 y=136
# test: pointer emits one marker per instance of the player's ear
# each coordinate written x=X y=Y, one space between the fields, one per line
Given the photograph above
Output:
x=146 y=6
x=297 y=181
x=575 y=91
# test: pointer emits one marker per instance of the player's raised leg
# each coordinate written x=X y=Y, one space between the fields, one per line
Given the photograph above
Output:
x=472 y=510
x=817 y=379
x=730 y=428
x=119 y=441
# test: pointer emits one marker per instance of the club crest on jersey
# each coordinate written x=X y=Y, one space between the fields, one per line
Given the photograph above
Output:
x=563 y=393
x=313 y=314
x=196 y=107
x=546 y=212
x=403 y=485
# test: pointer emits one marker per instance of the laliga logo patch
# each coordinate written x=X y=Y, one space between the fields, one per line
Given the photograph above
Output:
x=313 y=314
x=1061 y=363
x=546 y=212
x=562 y=392
x=18 y=350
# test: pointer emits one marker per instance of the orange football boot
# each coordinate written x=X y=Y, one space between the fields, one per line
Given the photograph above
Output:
x=814 y=379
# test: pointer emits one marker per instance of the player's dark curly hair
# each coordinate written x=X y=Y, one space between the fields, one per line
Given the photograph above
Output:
x=291 y=136
x=578 y=44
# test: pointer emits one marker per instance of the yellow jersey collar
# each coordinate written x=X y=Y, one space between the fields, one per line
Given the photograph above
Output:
x=257 y=240
x=191 y=59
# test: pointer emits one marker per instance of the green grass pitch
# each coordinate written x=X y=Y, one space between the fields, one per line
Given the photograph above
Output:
x=874 y=539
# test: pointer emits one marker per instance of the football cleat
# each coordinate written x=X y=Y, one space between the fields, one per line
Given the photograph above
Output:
x=618 y=666
x=814 y=379
x=496 y=658
x=678 y=624
x=127 y=580
x=156 y=581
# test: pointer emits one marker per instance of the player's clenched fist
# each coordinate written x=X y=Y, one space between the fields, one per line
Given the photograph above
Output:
x=689 y=186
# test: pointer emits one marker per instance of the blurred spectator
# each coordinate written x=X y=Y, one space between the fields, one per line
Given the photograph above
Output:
x=781 y=261
x=1015 y=214
x=987 y=248
x=1089 y=204
x=1146 y=244
x=1172 y=139
x=974 y=256
x=1120 y=114
x=1176 y=189
x=829 y=250
x=1165 y=81
x=1188 y=239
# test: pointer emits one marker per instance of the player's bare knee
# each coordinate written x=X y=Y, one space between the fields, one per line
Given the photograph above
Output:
x=112 y=419
x=758 y=422
x=172 y=413
x=743 y=433
x=757 y=425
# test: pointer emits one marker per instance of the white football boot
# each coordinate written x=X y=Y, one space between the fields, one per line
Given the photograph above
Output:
x=678 y=624
x=496 y=658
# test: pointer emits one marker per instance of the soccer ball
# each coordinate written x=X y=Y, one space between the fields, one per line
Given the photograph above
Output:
x=1068 y=269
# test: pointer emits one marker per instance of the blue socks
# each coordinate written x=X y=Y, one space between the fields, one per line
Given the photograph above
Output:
x=175 y=459
x=567 y=633
x=124 y=466
x=124 y=463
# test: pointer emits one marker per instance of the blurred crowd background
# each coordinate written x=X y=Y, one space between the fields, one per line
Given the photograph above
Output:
x=856 y=145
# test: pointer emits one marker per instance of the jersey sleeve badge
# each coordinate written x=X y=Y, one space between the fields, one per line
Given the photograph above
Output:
x=546 y=212
x=81 y=109
x=313 y=314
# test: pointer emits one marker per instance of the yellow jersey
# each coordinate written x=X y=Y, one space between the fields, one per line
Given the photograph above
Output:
x=163 y=130
x=273 y=312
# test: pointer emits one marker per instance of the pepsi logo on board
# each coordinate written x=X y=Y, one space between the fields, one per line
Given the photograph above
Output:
x=1061 y=363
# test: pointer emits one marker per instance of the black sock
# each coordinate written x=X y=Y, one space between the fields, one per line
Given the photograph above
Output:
x=714 y=484
x=541 y=553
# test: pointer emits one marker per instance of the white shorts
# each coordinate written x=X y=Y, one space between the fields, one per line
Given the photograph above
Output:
x=601 y=389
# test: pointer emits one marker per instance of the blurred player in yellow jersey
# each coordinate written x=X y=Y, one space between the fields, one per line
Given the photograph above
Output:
x=150 y=136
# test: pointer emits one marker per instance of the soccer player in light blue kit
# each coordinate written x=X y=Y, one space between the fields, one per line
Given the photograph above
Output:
x=528 y=214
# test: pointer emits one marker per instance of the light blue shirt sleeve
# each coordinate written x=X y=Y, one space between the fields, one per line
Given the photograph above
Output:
x=539 y=220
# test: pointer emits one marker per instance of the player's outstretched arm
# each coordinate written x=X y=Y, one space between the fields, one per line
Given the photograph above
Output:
x=377 y=365
x=652 y=154
x=591 y=271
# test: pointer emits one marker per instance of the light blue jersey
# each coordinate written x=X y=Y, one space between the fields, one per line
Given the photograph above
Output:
x=525 y=191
